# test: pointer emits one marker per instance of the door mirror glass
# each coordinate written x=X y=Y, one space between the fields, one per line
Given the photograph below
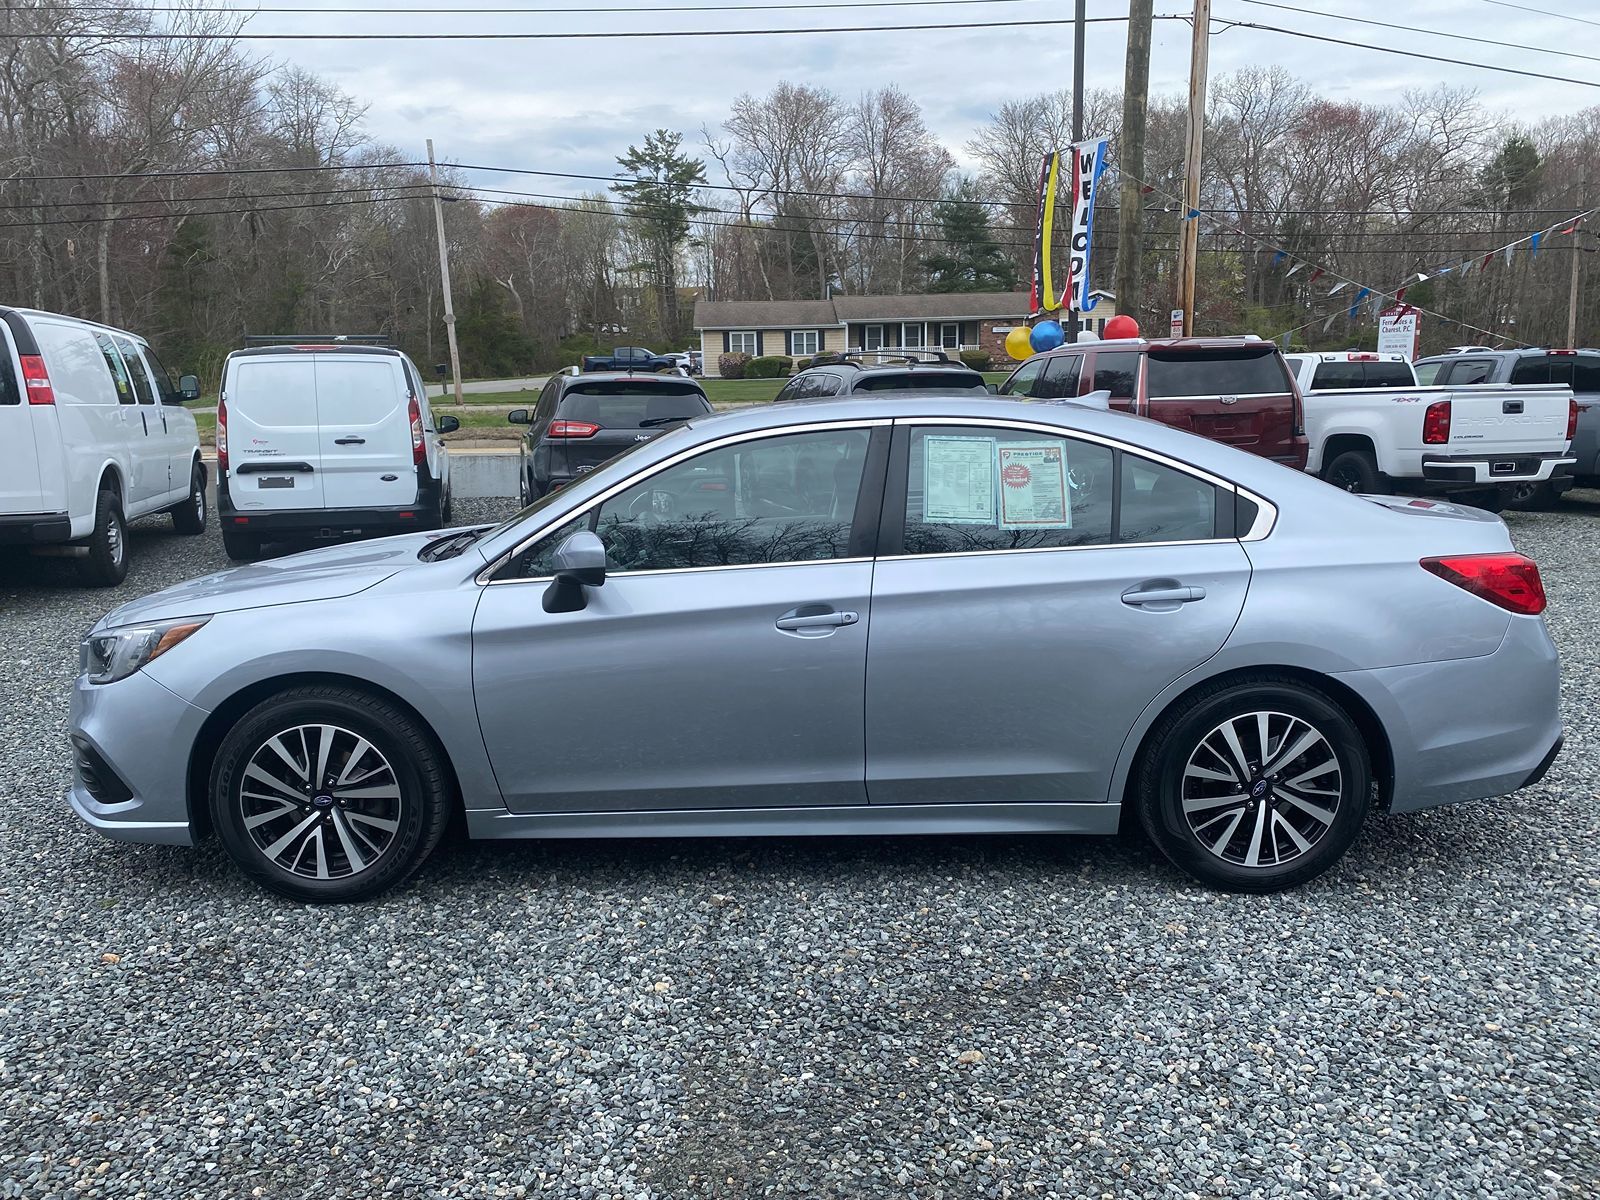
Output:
x=992 y=388
x=517 y=416
x=188 y=387
x=578 y=563
x=448 y=424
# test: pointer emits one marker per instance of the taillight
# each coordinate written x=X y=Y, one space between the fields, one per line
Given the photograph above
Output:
x=37 y=380
x=1436 y=424
x=1572 y=419
x=573 y=429
x=222 y=434
x=1509 y=580
x=418 y=447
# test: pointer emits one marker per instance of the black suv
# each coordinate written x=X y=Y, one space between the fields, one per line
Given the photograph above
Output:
x=847 y=375
x=583 y=420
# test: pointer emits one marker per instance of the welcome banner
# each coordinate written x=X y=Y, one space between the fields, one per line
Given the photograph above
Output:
x=1086 y=163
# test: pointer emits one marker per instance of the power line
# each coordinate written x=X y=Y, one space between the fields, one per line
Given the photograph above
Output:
x=1454 y=62
x=1459 y=37
x=204 y=171
x=548 y=36
x=1543 y=12
x=524 y=11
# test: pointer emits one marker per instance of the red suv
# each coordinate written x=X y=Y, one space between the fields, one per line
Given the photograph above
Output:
x=1234 y=390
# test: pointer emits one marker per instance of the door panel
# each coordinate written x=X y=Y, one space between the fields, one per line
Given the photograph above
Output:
x=366 y=455
x=274 y=457
x=155 y=418
x=1015 y=676
x=20 y=486
x=677 y=690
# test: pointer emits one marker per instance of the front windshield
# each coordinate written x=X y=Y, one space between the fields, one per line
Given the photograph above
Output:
x=612 y=470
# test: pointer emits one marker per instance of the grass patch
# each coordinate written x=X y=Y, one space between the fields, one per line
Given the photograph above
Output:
x=741 y=391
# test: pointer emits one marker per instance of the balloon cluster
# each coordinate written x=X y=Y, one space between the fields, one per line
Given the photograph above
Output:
x=1024 y=341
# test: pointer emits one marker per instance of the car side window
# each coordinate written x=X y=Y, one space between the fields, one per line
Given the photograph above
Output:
x=1117 y=372
x=165 y=389
x=1427 y=373
x=824 y=384
x=1024 y=378
x=784 y=499
x=546 y=407
x=142 y=387
x=1160 y=504
x=1475 y=370
x=1060 y=381
x=119 y=372
x=973 y=488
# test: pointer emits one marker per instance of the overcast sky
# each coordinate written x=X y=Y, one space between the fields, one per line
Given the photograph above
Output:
x=576 y=105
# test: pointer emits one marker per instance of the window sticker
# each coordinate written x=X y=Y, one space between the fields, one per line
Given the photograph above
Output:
x=958 y=474
x=1033 y=486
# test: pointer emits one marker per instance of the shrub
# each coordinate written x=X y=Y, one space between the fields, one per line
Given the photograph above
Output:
x=978 y=360
x=769 y=366
x=800 y=364
x=733 y=366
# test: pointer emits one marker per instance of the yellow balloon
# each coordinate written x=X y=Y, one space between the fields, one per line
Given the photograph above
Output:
x=1018 y=343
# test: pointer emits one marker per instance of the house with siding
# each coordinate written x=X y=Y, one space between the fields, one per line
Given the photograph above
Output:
x=950 y=321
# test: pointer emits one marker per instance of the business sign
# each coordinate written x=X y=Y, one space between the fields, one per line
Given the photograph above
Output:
x=1399 y=331
x=1086 y=162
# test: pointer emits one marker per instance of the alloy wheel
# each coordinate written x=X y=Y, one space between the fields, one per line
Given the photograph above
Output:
x=1345 y=480
x=114 y=537
x=320 y=802
x=1261 y=789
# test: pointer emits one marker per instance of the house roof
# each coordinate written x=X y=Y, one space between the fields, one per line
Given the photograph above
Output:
x=763 y=314
x=800 y=314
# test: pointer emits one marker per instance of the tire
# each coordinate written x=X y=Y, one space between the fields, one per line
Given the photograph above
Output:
x=1187 y=761
x=1493 y=500
x=241 y=547
x=190 y=517
x=524 y=490
x=1531 y=497
x=1354 y=471
x=447 y=510
x=106 y=564
x=329 y=843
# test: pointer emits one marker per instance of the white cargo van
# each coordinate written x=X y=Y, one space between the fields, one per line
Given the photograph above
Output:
x=93 y=433
x=326 y=439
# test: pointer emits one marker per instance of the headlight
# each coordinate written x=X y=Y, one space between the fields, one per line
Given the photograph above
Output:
x=117 y=653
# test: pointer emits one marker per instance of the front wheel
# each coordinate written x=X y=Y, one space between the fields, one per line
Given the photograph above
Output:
x=106 y=563
x=189 y=517
x=1255 y=785
x=328 y=794
x=241 y=547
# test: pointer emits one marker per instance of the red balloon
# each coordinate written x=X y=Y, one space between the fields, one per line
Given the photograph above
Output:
x=1121 y=326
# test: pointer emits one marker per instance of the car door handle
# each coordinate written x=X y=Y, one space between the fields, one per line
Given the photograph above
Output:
x=1143 y=594
x=349 y=441
x=795 y=619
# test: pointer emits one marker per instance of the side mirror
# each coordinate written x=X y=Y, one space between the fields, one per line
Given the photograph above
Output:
x=448 y=424
x=189 y=387
x=992 y=388
x=578 y=563
x=517 y=416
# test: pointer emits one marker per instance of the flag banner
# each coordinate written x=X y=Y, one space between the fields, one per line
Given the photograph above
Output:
x=1088 y=164
x=1339 y=287
x=1486 y=259
x=1041 y=245
x=1326 y=325
x=1315 y=275
x=1399 y=297
x=1378 y=302
x=1510 y=250
x=1192 y=215
x=1533 y=243
x=1295 y=270
x=1277 y=258
x=1423 y=275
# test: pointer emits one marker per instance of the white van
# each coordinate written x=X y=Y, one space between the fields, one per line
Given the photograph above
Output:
x=326 y=439
x=92 y=434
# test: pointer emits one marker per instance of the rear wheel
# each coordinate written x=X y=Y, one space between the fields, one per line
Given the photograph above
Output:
x=241 y=547
x=328 y=794
x=1354 y=471
x=106 y=564
x=1254 y=785
x=190 y=516
x=1532 y=497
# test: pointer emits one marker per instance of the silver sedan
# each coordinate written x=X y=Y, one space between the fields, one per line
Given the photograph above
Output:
x=910 y=615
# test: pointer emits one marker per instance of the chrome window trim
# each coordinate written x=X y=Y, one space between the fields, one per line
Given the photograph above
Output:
x=793 y=562
x=1054 y=549
x=485 y=576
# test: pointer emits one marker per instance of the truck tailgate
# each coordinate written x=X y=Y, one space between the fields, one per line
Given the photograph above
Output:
x=1491 y=419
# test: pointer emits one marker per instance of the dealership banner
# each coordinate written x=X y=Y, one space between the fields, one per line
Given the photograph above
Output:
x=1086 y=162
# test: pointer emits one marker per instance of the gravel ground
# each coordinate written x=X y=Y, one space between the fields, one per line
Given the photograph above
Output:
x=1044 y=1017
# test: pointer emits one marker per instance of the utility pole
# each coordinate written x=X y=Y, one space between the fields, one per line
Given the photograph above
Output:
x=1189 y=246
x=1130 y=158
x=444 y=274
x=1572 y=294
x=1078 y=20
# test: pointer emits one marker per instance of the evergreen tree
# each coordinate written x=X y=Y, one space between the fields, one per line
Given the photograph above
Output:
x=971 y=261
x=660 y=198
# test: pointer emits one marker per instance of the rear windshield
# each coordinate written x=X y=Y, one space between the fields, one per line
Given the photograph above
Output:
x=918 y=381
x=1580 y=371
x=1363 y=375
x=632 y=403
x=1222 y=372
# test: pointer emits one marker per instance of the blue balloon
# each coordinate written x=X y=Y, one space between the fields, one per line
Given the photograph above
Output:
x=1046 y=335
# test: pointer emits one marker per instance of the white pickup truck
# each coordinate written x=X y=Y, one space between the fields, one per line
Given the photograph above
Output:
x=1371 y=429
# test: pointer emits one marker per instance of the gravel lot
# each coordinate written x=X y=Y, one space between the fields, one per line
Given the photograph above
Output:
x=850 y=1018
